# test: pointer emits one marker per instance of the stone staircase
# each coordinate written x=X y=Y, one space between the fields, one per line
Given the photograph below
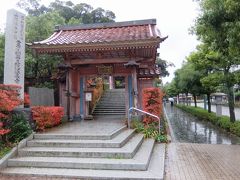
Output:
x=123 y=154
x=111 y=103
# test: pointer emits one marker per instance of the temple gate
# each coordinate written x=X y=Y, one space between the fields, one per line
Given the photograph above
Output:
x=123 y=53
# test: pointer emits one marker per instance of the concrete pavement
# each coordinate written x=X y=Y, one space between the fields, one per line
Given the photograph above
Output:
x=187 y=161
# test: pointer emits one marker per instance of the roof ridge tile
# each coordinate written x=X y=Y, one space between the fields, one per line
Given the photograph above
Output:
x=106 y=25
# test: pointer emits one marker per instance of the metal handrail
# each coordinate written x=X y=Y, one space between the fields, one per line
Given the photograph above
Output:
x=139 y=110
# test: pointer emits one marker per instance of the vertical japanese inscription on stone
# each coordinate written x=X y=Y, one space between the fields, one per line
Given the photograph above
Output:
x=14 y=49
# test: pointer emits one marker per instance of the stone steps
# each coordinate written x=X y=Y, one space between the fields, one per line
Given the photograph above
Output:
x=154 y=172
x=118 y=99
x=109 y=107
x=127 y=151
x=116 y=142
x=139 y=162
x=110 y=117
x=111 y=103
x=89 y=136
x=119 y=155
x=108 y=113
x=107 y=104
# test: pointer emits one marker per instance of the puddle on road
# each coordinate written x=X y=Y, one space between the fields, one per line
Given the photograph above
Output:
x=188 y=128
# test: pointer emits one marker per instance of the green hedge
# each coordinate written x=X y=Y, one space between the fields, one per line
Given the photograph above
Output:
x=222 y=122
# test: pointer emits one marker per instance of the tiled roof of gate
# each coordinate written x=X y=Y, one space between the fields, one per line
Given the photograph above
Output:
x=102 y=33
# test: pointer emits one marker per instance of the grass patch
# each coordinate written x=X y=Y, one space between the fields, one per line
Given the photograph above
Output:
x=4 y=151
x=116 y=157
x=221 y=121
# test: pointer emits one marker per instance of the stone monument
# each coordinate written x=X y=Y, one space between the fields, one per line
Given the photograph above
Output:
x=15 y=49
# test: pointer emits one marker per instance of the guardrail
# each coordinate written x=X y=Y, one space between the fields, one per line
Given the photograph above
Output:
x=144 y=112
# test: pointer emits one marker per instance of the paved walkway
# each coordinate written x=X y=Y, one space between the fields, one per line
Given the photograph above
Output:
x=187 y=161
x=210 y=157
x=93 y=127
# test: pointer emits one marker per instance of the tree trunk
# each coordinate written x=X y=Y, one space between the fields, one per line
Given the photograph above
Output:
x=231 y=103
x=209 y=103
x=195 y=100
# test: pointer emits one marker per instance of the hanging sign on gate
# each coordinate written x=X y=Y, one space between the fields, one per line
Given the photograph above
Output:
x=88 y=96
x=105 y=70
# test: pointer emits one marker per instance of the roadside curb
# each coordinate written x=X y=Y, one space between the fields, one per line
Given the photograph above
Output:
x=14 y=151
x=170 y=136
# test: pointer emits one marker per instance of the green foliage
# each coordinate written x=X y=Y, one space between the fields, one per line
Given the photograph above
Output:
x=149 y=131
x=40 y=24
x=212 y=81
x=4 y=150
x=74 y=21
x=199 y=113
x=83 y=12
x=49 y=85
x=187 y=80
x=217 y=26
x=237 y=95
x=139 y=126
x=222 y=121
x=163 y=65
x=40 y=69
x=235 y=128
x=41 y=27
x=209 y=79
x=170 y=89
x=162 y=138
x=20 y=128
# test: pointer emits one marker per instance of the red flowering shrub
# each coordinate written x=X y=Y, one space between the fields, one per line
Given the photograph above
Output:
x=46 y=117
x=26 y=100
x=3 y=131
x=152 y=103
x=9 y=99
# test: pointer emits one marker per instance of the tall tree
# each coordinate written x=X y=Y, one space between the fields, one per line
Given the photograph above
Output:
x=188 y=80
x=218 y=27
x=163 y=65
x=170 y=89
x=85 y=13
x=209 y=83
x=40 y=23
x=40 y=69
x=32 y=7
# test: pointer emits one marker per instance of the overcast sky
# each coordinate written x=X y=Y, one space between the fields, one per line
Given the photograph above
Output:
x=174 y=18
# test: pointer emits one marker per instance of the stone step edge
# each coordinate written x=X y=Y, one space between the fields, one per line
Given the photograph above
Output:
x=127 y=151
x=139 y=162
x=83 y=136
x=154 y=172
x=116 y=142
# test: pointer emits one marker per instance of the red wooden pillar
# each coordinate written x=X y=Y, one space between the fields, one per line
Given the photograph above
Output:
x=135 y=86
